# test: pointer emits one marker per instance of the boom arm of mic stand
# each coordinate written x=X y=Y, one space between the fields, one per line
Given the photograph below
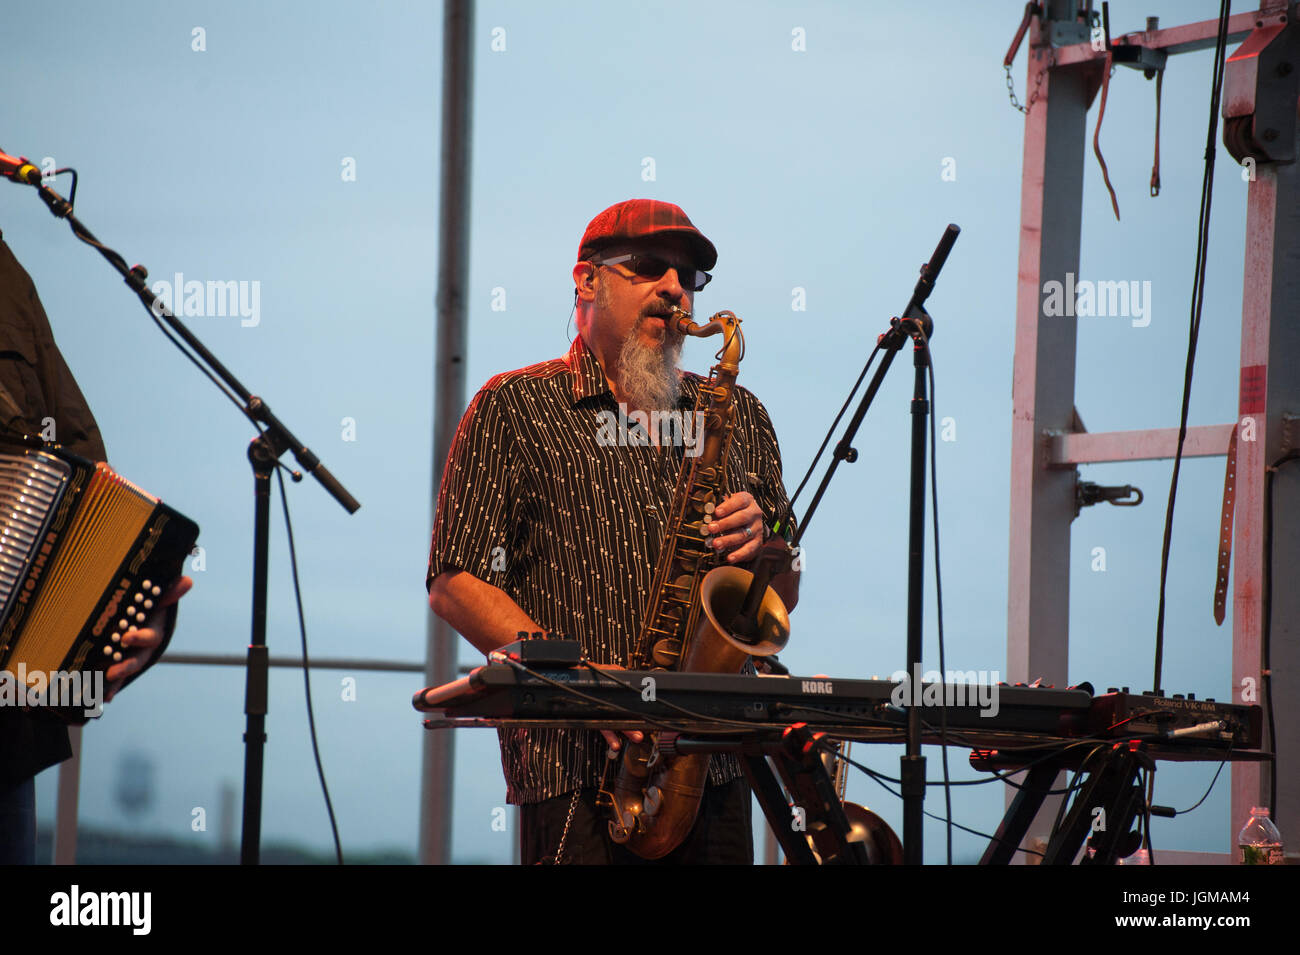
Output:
x=890 y=342
x=768 y=565
x=302 y=454
x=254 y=408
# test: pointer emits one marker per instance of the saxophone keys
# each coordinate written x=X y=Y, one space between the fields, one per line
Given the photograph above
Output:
x=653 y=800
x=620 y=830
x=666 y=652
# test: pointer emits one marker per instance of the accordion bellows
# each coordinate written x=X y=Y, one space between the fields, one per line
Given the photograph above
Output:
x=84 y=553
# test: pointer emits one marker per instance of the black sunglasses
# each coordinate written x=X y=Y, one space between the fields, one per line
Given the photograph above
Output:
x=653 y=267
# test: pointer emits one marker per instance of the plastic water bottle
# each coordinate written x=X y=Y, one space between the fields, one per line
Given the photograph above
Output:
x=1260 y=842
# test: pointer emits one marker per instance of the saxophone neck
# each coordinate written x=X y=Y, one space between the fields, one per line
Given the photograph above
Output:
x=684 y=323
x=727 y=323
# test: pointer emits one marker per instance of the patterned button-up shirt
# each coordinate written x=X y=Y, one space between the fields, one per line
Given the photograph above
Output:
x=536 y=500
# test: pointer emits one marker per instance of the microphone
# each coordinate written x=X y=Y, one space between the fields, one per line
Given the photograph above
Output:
x=19 y=170
x=766 y=566
x=930 y=271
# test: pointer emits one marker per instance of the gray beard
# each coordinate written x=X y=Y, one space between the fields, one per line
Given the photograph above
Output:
x=649 y=376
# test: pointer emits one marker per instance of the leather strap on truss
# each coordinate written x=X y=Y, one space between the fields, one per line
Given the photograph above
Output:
x=1096 y=133
x=1225 y=531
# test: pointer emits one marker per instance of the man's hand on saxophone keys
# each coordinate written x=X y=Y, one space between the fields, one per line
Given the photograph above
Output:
x=738 y=528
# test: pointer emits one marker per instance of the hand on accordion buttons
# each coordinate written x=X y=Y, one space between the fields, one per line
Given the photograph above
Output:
x=140 y=646
x=733 y=517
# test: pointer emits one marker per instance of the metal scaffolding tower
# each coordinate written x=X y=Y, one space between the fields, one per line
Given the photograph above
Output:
x=1065 y=71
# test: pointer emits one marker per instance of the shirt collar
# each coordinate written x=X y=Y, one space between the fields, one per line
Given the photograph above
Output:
x=588 y=378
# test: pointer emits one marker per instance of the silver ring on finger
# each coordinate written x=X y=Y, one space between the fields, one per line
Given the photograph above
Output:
x=749 y=532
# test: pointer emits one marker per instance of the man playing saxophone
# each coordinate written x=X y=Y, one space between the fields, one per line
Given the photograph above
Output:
x=550 y=519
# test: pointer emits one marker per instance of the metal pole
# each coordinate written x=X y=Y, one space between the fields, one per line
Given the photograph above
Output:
x=1042 y=499
x=1270 y=340
x=449 y=394
x=65 y=814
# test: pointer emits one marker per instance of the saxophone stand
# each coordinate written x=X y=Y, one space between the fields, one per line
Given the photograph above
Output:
x=917 y=325
x=821 y=831
x=264 y=454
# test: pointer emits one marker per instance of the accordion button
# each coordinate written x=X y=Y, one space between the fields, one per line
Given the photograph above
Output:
x=123 y=624
x=139 y=618
x=148 y=604
x=155 y=591
x=146 y=584
x=116 y=638
x=117 y=657
x=138 y=598
x=107 y=651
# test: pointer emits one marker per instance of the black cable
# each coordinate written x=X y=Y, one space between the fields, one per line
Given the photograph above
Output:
x=615 y=708
x=72 y=193
x=780 y=525
x=959 y=736
x=938 y=580
x=1206 y=794
x=1073 y=784
x=975 y=832
x=1198 y=299
x=118 y=262
x=115 y=258
x=993 y=774
x=306 y=673
x=1146 y=816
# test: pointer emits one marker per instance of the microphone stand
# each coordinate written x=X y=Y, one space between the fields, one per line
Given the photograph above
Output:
x=917 y=325
x=264 y=454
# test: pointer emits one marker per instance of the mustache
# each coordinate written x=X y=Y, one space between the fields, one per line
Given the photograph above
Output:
x=664 y=313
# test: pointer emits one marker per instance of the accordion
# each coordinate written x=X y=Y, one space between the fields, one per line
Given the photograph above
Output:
x=84 y=554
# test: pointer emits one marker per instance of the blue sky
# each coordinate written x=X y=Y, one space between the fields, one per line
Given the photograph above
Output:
x=815 y=169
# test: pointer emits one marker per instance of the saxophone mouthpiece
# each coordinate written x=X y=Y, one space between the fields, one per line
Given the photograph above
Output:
x=681 y=320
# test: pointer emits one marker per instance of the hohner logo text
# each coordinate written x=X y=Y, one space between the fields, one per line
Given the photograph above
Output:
x=38 y=566
x=111 y=609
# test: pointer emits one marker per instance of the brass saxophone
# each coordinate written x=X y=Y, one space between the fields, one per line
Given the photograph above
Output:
x=656 y=796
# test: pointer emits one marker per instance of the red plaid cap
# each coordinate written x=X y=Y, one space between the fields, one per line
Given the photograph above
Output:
x=635 y=219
